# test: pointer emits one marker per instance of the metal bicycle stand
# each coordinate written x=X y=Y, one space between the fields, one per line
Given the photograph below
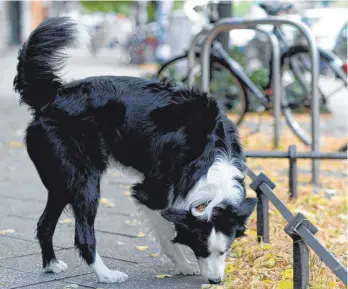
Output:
x=276 y=81
x=235 y=23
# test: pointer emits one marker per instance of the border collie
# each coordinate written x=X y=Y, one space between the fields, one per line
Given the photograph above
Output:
x=183 y=151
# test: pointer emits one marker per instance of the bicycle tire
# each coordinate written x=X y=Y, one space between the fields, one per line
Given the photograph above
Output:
x=215 y=60
x=287 y=109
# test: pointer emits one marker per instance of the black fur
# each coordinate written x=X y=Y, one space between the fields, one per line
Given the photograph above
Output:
x=170 y=134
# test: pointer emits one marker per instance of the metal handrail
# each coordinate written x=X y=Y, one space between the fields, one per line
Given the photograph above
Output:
x=235 y=23
x=299 y=228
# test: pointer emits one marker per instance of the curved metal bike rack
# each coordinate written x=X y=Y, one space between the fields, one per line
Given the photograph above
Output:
x=235 y=23
x=276 y=81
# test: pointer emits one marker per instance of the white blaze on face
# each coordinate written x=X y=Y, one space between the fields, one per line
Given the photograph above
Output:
x=213 y=266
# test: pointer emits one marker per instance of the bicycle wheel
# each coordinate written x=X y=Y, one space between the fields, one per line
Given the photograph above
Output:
x=224 y=86
x=296 y=79
x=296 y=76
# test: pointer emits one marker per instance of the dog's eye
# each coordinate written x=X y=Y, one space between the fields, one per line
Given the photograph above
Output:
x=201 y=207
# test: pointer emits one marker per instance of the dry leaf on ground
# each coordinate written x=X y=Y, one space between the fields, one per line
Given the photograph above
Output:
x=106 y=202
x=6 y=231
x=16 y=144
x=66 y=221
x=142 y=248
x=162 y=276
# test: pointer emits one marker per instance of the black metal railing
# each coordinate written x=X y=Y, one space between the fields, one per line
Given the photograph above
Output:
x=292 y=155
x=299 y=228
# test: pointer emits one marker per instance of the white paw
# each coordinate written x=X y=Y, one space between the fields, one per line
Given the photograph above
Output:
x=187 y=268
x=112 y=277
x=56 y=266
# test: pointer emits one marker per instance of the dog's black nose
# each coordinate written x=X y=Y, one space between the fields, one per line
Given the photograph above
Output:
x=215 y=281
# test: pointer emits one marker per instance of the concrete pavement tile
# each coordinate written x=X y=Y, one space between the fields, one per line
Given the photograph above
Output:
x=12 y=205
x=142 y=276
x=10 y=278
x=76 y=266
x=52 y=285
x=25 y=229
x=33 y=264
x=107 y=220
x=10 y=247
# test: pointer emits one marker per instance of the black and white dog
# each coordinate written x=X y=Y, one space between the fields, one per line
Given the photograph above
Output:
x=183 y=151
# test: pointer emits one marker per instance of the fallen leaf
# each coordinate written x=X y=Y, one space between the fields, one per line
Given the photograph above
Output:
x=6 y=231
x=142 y=248
x=205 y=286
x=106 y=202
x=66 y=221
x=155 y=255
x=72 y=286
x=140 y=235
x=162 y=276
x=127 y=193
x=16 y=144
x=287 y=273
x=285 y=284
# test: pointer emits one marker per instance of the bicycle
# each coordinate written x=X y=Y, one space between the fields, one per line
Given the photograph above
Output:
x=296 y=64
x=235 y=95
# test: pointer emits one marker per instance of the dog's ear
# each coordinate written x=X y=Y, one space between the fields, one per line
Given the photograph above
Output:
x=177 y=216
x=247 y=207
x=245 y=210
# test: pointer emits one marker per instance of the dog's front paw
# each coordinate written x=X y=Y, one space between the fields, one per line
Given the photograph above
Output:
x=187 y=268
x=112 y=277
x=56 y=266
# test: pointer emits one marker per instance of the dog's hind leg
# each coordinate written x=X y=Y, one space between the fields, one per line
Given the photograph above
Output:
x=42 y=155
x=85 y=209
x=45 y=229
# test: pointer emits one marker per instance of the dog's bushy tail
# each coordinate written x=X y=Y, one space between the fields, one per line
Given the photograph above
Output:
x=43 y=56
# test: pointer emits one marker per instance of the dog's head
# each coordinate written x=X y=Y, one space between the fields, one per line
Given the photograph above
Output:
x=212 y=215
x=210 y=238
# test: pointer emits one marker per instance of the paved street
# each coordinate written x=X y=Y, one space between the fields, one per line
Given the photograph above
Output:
x=22 y=199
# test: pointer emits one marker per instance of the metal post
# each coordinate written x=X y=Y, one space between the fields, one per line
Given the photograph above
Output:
x=301 y=264
x=293 y=172
x=262 y=218
x=235 y=23
x=192 y=54
x=275 y=85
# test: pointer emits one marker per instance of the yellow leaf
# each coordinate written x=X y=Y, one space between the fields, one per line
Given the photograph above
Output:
x=127 y=193
x=266 y=246
x=65 y=221
x=16 y=144
x=332 y=285
x=6 y=231
x=265 y=261
x=162 y=276
x=287 y=274
x=142 y=248
x=155 y=255
x=285 y=284
x=106 y=202
x=140 y=235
